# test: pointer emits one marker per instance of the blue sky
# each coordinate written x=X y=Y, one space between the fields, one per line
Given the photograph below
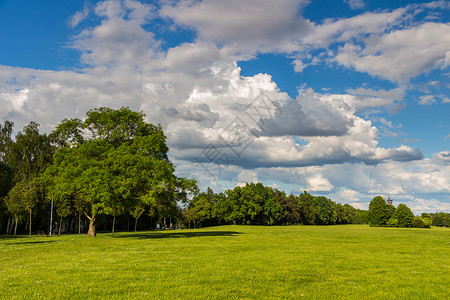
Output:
x=348 y=99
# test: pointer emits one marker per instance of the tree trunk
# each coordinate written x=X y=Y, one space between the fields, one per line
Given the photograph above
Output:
x=135 y=225
x=59 y=229
x=9 y=226
x=92 y=223
x=30 y=225
x=114 y=221
x=79 y=222
x=15 y=227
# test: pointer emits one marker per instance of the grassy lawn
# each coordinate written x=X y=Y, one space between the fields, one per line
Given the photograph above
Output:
x=313 y=262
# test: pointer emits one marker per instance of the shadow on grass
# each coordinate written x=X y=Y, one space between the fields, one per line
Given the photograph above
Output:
x=30 y=242
x=174 y=234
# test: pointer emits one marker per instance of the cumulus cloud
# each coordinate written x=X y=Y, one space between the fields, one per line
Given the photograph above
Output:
x=306 y=116
x=350 y=195
x=247 y=176
x=401 y=54
x=317 y=183
x=354 y=28
x=444 y=155
x=244 y=128
x=247 y=26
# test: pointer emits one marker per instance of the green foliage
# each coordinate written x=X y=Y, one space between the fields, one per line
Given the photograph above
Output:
x=113 y=160
x=30 y=153
x=378 y=212
x=420 y=222
x=21 y=200
x=290 y=207
x=391 y=209
x=404 y=216
x=441 y=219
x=392 y=222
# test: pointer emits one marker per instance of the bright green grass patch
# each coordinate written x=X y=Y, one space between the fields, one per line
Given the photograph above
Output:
x=315 y=262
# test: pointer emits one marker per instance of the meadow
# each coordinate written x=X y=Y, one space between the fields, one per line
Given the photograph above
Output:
x=231 y=262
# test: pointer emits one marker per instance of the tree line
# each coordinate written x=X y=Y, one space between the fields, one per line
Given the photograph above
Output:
x=112 y=170
x=382 y=214
x=256 y=204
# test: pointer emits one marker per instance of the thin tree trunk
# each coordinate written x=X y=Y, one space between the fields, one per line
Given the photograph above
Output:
x=114 y=221
x=9 y=226
x=60 y=222
x=79 y=223
x=30 y=225
x=15 y=227
x=135 y=225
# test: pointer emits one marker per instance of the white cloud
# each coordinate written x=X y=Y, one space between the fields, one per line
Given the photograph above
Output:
x=308 y=115
x=349 y=195
x=317 y=183
x=355 y=4
x=427 y=100
x=444 y=155
x=299 y=65
x=78 y=17
x=247 y=176
x=420 y=205
x=364 y=100
x=401 y=54
x=247 y=26
x=354 y=28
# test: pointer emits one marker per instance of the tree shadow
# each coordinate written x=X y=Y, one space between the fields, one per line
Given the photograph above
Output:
x=30 y=242
x=175 y=234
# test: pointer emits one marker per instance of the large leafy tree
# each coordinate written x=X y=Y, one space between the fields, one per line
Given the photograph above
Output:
x=112 y=159
x=403 y=215
x=378 y=212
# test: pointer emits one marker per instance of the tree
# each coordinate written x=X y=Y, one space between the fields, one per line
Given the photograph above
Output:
x=63 y=210
x=111 y=159
x=30 y=153
x=22 y=159
x=289 y=206
x=137 y=212
x=114 y=210
x=421 y=222
x=5 y=187
x=403 y=215
x=22 y=199
x=325 y=213
x=307 y=208
x=378 y=212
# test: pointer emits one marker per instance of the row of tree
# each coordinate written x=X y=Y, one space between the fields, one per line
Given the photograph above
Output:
x=261 y=205
x=115 y=164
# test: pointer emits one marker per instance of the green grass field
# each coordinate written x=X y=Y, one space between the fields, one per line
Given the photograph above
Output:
x=313 y=262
